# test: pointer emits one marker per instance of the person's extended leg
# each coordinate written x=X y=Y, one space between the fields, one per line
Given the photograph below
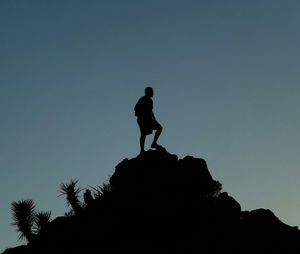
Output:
x=142 y=142
x=159 y=129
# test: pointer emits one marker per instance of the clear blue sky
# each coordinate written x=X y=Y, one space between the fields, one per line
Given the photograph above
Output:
x=226 y=81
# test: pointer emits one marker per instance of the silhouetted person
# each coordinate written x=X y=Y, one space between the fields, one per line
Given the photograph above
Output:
x=146 y=119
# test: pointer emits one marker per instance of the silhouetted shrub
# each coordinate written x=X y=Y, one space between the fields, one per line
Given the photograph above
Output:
x=71 y=191
x=24 y=218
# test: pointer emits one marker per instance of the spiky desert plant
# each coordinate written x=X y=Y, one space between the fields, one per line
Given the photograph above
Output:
x=70 y=213
x=24 y=218
x=216 y=189
x=101 y=191
x=88 y=197
x=42 y=219
x=71 y=191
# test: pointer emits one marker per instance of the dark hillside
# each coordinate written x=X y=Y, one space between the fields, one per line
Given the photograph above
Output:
x=157 y=203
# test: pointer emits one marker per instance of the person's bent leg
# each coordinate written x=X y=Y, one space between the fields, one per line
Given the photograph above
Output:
x=156 y=135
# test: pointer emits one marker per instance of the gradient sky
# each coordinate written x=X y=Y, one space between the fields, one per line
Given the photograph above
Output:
x=226 y=81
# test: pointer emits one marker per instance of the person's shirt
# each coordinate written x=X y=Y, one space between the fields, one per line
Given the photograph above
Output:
x=145 y=107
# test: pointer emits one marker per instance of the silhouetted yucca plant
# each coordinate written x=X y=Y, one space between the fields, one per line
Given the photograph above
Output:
x=70 y=213
x=101 y=191
x=72 y=195
x=216 y=189
x=24 y=218
x=42 y=219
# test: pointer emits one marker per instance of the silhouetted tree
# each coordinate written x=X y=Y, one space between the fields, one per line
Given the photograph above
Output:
x=42 y=219
x=24 y=218
x=71 y=191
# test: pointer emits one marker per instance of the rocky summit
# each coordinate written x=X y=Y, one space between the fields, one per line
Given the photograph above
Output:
x=158 y=203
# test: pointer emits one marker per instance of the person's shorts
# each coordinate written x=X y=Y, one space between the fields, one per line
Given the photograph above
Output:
x=148 y=125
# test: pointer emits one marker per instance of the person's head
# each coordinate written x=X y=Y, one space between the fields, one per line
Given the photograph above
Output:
x=149 y=91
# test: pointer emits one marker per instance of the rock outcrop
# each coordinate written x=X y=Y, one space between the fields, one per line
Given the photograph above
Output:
x=157 y=203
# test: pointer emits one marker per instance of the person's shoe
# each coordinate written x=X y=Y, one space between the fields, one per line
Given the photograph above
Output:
x=155 y=145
